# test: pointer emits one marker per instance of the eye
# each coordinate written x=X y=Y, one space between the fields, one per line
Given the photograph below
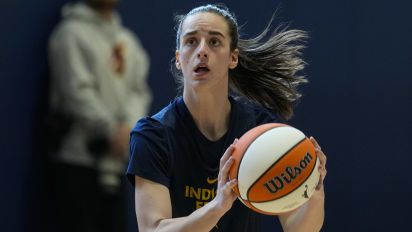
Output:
x=191 y=41
x=215 y=42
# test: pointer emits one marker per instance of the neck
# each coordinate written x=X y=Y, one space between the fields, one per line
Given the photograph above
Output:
x=210 y=111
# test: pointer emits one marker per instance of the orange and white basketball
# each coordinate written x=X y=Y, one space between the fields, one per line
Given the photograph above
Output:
x=276 y=167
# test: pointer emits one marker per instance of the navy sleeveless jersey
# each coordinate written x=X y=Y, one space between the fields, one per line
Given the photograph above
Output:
x=169 y=149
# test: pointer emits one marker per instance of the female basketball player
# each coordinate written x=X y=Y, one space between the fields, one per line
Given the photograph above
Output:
x=181 y=156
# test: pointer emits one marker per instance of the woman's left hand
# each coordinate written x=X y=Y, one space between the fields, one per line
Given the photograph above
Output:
x=322 y=165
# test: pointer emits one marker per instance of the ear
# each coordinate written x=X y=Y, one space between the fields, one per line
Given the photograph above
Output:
x=234 y=58
x=177 y=60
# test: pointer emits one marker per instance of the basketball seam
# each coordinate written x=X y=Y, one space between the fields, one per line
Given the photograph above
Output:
x=240 y=161
x=257 y=179
x=294 y=189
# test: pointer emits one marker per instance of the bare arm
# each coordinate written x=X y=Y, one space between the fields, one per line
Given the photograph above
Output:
x=154 y=210
x=310 y=216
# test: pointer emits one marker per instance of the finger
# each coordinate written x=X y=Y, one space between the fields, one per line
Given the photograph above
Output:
x=315 y=143
x=224 y=172
x=324 y=159
x=228 y=188
x=322 y=162
x=228 y=164
x=227 y=153
x=323 y=173
x=320 y=183
x=322 y=156
x=234 y=142
x=231 y=184
x=226 y=156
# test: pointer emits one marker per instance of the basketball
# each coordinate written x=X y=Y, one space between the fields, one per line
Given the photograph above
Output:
x=276 y=167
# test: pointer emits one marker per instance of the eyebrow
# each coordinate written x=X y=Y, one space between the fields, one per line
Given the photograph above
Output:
x=209 y=32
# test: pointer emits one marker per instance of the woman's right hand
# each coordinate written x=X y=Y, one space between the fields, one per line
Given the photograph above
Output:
x=154 y=208
x=225 y=196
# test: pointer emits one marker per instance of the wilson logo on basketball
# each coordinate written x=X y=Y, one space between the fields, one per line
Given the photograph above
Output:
x=284 y=176
x=278 y=182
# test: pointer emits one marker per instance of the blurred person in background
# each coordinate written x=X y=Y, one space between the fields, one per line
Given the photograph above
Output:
x=98 y=86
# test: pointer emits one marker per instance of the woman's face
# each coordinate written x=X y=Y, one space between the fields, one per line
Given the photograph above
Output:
x=204 y=54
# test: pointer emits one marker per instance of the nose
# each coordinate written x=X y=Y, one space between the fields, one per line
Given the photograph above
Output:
x=203 y=50
x=202 y=55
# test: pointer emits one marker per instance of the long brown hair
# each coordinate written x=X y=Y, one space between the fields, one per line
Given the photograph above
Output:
x=267 y=72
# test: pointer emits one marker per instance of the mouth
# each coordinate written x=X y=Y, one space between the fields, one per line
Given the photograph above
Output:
x=201 y=69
